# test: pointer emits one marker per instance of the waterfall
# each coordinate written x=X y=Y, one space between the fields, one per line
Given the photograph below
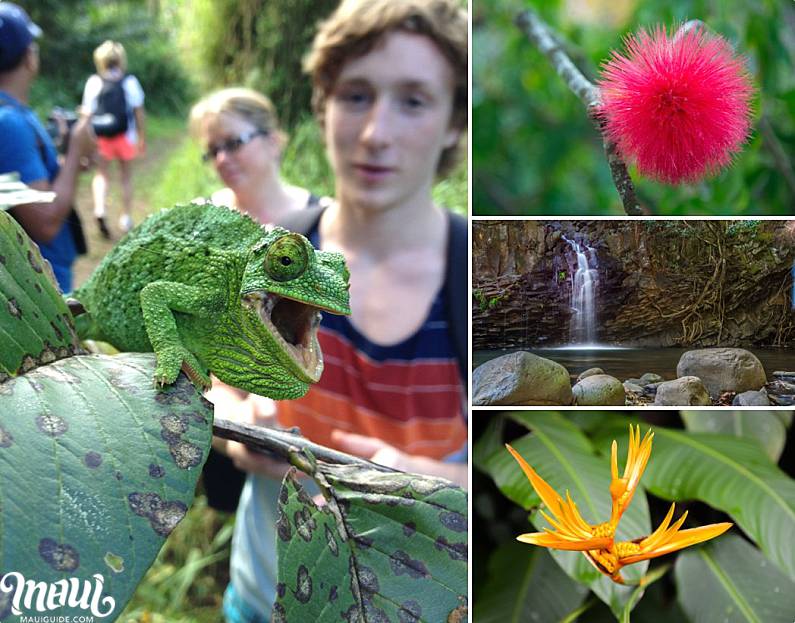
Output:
x=583 y=294
x=793 y=285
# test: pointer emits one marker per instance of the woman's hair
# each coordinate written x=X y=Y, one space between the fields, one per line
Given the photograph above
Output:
x=109 y=55
x=246 y=103
x=356 y=27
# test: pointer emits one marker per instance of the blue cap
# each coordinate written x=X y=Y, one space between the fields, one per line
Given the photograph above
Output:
x=17 y=30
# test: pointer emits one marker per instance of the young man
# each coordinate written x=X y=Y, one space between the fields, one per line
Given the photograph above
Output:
x=26 y=148
x=390 y=91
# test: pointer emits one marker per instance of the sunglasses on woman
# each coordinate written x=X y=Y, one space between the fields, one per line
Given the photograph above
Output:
x=231 y=145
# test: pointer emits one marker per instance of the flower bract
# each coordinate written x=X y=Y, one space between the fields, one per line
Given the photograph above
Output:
x=571 y=532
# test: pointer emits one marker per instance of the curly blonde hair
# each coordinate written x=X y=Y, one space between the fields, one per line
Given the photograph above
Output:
x=108 y=55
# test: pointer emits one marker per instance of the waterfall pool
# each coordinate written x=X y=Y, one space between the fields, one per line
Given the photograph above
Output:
x=625 y=363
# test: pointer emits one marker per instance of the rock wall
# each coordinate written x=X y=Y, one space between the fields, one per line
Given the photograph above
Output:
x=660 y=283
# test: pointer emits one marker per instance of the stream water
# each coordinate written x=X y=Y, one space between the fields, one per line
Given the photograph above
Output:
x=624 y=363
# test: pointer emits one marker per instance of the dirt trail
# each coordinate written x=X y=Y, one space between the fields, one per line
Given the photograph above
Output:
x=145 y=171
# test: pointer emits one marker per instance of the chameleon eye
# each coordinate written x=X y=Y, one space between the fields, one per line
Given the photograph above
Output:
x=287 y=258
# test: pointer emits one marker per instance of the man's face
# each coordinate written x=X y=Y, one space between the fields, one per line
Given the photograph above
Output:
x=388 y=120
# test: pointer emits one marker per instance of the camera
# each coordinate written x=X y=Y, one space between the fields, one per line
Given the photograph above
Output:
x=59 y=126
x=60 y=121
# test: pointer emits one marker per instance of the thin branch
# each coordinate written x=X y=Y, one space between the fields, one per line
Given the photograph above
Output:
x=286 y=444
x=776 y=149
x=545 y=39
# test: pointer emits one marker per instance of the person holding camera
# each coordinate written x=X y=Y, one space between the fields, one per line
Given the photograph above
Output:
x=116 y=101
x=27 y=149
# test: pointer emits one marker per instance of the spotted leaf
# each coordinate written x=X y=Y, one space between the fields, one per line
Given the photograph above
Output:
x=386 y=547
x=96 y=469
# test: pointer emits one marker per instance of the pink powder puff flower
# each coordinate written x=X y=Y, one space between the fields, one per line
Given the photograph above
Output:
x=678 y=105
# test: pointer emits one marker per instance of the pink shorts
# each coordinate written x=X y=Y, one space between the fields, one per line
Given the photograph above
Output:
x=116 y=147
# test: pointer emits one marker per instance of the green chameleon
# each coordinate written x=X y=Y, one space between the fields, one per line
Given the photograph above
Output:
x=210 y=290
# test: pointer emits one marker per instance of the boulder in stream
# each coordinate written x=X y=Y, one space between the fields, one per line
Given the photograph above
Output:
x=723 y=369
x=751 y=398
x=687 y=391
x=599 y=390
x=521 y=378
x=590 y=372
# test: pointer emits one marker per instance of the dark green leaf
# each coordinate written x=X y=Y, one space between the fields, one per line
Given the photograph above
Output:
x=525 y=584
x=35 y=325
x=733 y=475
x=729 y=580
x=96 y=468
x=764 y=427
x=386 y=546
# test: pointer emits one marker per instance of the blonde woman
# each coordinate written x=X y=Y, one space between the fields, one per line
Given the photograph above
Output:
x=116 y=101
x=240 y=137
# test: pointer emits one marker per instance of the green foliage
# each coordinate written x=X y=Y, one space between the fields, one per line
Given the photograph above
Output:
x=254 y=43
x=186 y=583
x=386 y=546
x=304 y=164
x=96 y=469
x=727 y=580
x=564 y=457
x=525 y=584
x=72 y=30
x=536 y=152
x=767 y=428
x=726 y=468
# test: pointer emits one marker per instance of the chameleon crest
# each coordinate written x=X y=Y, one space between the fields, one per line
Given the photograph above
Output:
x=210 y=290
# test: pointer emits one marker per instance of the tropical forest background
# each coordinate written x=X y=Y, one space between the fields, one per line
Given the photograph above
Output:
x=180 y=50
x=535 y=152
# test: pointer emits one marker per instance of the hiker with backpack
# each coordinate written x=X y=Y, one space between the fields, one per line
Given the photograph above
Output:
x=115 y=100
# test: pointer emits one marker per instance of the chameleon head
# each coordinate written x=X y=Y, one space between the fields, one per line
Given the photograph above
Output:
x=286 y=285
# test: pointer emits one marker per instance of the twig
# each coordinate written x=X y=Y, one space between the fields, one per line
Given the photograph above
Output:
x=286 y=444
x=780 y=158
x=548 y=44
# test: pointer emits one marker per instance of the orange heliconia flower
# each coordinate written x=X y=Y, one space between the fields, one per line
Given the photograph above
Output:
x=572 y=532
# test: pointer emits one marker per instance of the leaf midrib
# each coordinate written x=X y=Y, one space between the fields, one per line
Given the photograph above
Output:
x=566 y=466
x=737 y=467
x=733 y=591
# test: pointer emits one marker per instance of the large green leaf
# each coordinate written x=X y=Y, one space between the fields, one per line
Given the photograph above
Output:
x=733 y=475
x=386 y=546
x=765 y=427
x=35 y=325
x=96 y=468
x=564 y=457
x=525 y=584
x=730 y=581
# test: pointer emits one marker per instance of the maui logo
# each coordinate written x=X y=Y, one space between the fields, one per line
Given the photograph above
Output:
x=45 y=596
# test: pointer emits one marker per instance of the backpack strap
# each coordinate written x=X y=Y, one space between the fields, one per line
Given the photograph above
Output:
x=303 y=221
x=456 y=290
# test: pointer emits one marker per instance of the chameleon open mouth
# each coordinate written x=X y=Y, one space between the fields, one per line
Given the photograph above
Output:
x=294 y=326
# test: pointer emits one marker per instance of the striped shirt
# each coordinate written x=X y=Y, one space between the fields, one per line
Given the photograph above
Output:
x=409 y=394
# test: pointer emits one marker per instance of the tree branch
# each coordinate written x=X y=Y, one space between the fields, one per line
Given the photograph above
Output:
x=548 y=43
x=286 y=444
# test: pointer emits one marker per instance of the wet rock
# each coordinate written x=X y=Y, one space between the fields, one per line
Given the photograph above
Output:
x=651 y=389
x=752 y=398
x=590 y=372
x=684 y=391
x=632 y=388
x=781 y=392
x=723 y=369
x=521 y=378
x=650 y=377
x=599 y=390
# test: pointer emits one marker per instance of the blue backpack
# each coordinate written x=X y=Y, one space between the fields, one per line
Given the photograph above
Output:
x=110 y=117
